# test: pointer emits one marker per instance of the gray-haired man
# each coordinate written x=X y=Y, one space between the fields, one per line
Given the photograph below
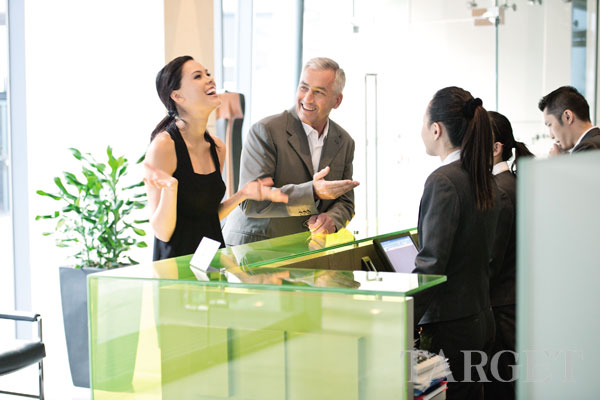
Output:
x=308 y=156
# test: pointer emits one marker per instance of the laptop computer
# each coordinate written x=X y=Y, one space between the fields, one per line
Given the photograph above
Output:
x=397 y=252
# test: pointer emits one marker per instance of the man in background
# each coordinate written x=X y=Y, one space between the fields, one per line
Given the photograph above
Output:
x=567 y=116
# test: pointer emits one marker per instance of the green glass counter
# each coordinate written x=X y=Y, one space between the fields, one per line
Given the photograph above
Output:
x=261 y=324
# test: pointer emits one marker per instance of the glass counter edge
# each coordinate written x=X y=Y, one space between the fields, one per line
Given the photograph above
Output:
x=324 y=249
x=435 y=280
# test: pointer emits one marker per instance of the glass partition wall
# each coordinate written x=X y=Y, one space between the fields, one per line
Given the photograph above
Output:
x=398 y=53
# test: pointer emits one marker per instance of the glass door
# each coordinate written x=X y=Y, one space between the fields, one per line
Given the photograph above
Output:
x=397 y=54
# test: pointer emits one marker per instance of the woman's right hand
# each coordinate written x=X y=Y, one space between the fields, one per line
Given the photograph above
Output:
x=261 y=189
x=159 y=179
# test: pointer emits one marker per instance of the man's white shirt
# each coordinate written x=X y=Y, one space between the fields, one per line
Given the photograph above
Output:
x=315 y=143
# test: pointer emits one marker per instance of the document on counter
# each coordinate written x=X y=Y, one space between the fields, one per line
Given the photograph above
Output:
x=205 y=253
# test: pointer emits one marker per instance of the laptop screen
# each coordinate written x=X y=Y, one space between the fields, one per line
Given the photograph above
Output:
x=400 y=252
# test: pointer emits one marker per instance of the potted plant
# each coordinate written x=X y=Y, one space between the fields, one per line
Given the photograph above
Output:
x=94 y=218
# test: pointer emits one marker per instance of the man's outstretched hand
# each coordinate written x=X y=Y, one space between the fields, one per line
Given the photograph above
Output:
x=329 y=190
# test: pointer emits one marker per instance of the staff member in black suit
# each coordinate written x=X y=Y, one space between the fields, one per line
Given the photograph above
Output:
x=503 y=266
x=567 y=116
x=457 y=225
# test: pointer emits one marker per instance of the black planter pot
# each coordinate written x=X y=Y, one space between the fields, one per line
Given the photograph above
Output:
x=73 y=293
x=117 y=378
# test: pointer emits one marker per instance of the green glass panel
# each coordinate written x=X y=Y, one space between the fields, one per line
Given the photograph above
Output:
x=263 y=331
x=258 y=363
x=229 y=342
x=335 y=375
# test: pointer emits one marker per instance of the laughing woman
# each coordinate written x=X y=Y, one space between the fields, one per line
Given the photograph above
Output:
x=457 y=220
x=184 y=163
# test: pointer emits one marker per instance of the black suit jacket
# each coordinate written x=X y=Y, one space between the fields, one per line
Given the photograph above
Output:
x=591 y=141
x=455 y=240
x=503 y=266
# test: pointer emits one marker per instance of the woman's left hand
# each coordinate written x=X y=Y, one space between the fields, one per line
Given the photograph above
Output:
x=261 y=189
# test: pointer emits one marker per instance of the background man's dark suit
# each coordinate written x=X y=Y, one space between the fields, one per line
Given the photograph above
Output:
x=591 y=141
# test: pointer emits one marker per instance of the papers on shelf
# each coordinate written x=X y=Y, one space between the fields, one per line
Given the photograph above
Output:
x=429 y=372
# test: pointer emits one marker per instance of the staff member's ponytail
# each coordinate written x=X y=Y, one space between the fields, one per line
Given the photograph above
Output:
x=503 y=133
x=469 y=128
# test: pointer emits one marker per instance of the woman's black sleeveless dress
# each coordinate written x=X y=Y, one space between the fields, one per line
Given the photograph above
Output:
x=198 y=199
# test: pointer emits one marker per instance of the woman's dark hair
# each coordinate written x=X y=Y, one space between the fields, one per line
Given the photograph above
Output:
x=167 y=80
x=503 y=133
x=469 y=128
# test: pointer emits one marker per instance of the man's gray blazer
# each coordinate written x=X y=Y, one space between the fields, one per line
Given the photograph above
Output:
x=277 y=147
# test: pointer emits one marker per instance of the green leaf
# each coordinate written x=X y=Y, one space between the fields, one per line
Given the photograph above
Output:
x=141 y=221
x=141 y=159
x=122 y=170
x=60 y=185
x=70 y=207
x=113 y=162
x=132 y=261
x=142 y=245
x=72 y=179
x=139 y=205
x=90 y=220
x=99 y=166
x=42 y=193
x=76 y=153
x=91 y=176
x=60 y=224
x=139 y=231
x=49 y=216
x=135 y=185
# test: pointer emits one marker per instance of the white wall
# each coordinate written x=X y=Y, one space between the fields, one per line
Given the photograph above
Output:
x=417 y=48
x=91 y=67
x=189 y=30
x=534 y=59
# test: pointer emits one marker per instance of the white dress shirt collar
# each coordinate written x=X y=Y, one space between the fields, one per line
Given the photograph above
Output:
x=581 y=138
x=500 y=167
x=309 y=129
x=315 y=143
x=450 y=158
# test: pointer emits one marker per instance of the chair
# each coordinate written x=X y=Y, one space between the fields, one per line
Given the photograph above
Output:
x=230 y=118
x=18 y=354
